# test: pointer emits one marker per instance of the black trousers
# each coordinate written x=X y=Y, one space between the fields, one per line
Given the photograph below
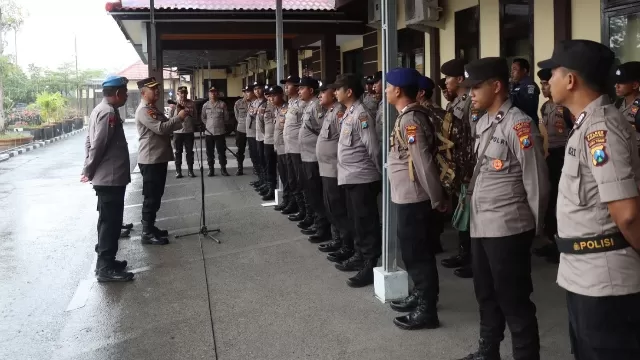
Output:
x=218 y=143
x=313 y=191
x=284 y=178
x=335 y=204
x=271 y=165
x=603 y=328
x=261 y=159
x=241 y=143
x=295 y=176
x=180 y=141
x=417 y=244
x=154 y=177
x=110 y=209
x=555 y=162
x=503 y=286
x=362 y=206
x=253 y=153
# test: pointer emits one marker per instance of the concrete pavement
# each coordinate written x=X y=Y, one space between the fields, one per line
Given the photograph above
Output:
x=271 y=294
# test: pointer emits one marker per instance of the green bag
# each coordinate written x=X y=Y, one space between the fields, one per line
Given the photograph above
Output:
x=462 y=214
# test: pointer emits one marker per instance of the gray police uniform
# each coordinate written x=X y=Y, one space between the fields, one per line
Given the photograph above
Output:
x=240 y=109
x=214 y=116
x=631 y=112
x=107 y=167
x=291 y=133
x=278 y=140
x=415 y=188
x=359 y=172
x=597 y=267
x=379 y=122
x=370 y=103
x=253 y=116
x=270 y=156
x=507 y=210
x=184 y=138
x=261 y=107
x=154 y=153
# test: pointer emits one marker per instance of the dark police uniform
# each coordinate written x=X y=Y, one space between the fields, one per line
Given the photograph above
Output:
x=154 y=154
x=507 y=210
x=598 y=268
x=107 y=167
x=627 y=73
x=416 y=190
x=525 y=95
x=240 y=109
x=184 y=138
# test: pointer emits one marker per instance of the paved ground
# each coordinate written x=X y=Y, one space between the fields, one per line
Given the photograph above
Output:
x=273 y=296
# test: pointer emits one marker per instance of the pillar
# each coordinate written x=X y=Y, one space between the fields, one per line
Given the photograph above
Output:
x=154 y=63
x=328 y=58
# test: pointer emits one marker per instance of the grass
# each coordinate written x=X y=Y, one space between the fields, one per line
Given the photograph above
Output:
x=13 y=135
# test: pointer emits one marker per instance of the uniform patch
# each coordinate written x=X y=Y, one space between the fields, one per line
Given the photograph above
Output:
x=112 y=120
x=363 y=120
x=634 y=110
x=523 y=130
x=596 y=138
x=559 y=125
x=152 y=114
x=474 y=115
x=599 y=154
x=340 y=114
x=531 y=89
x=525 y=142
x=411 y=131
x=498 y=164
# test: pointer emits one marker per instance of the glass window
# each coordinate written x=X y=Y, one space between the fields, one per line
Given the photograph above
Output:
x=517 y=29
x=418 y=57
x=624 y=36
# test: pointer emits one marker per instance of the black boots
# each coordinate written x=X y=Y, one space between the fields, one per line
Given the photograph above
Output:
x=424 y=316
x=461 y=259
x=307 y=221
x=270 y=195
x=291 y=208
x=178 y=171
x=334 y=244
x=353 y=263
x=283 y=205
x=212 y=171
x=343 y=254
x=110 y=274
x=407 y=304
x=190 y=172
x=151 y=235
x=365 y=276
x=486 y=351
x=322 y=234
x=223 y=170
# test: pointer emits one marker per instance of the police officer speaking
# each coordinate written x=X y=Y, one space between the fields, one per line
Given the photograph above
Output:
x=107 y=167
x=154 y=154
x=598 y=208
x=416 y=190
x=507 y=210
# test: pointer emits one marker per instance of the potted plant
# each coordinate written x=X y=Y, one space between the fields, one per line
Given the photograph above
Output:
x=51 y=107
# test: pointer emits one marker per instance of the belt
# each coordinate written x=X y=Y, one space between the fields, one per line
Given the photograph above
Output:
x=592 y=245
x=316 y=133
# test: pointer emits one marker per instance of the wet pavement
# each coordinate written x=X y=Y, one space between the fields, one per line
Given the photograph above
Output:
x=265 y=292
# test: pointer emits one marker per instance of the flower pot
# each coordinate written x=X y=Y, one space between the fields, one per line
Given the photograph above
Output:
x=67 y=126
x=37 y=133
x=78 y=123
x=48 y=132
x=57 y=129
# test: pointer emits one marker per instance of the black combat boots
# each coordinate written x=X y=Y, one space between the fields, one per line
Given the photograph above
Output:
x=334 y=244
x=178 y=172
x=283 y=204
x=364 y=277
x=151 y=235
x=307 y=221
x=291 y=208
x=486 y=351
x=354 y=263
x=212 y=171
x=407 y=304
x=190 y=172
x=322 y=234
x=424 y=316
x=223 y=170
x=461 y=259
x=343 y=254
x=270 y=195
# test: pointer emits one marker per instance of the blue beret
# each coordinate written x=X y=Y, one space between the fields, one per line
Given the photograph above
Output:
x=424 y=83
x=403 y=77
x=115 y=81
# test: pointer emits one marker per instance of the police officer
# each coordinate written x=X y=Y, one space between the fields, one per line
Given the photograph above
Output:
x=240 y=109
x=460 y=107
x=598 y=208
x=107 y=167
x=184 y=138
x=416 y=190
x=252 y=119
x=627 y=78
x=557 y=121
x=341 y=246
x=371 y=99
x=154 y=153
x=260 y=105
x=425 y=92
x=525 y=93
x=291 y=132
x=507 y=210
x=214 y=116
x=280 y=110
x=270 y=155
x=442 y=84
x=315 y=223
x=359 y=172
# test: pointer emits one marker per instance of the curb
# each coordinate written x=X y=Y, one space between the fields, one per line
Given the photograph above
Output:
x=8 y=154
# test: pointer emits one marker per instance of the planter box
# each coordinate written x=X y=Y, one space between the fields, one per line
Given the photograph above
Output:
x=78 y=123
x=57 y=129
x=67 y=126
x=11 y=143
x=38 y=134
x=48 y=132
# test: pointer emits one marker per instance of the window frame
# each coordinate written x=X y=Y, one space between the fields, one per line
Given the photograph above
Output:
x=531 y=28
x=614 y=11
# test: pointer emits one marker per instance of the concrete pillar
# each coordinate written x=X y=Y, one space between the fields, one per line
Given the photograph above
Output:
x=154 y=51
x=328 y=58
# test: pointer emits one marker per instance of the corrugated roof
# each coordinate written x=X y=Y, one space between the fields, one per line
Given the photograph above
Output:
x=226 y=5
x=139 y=71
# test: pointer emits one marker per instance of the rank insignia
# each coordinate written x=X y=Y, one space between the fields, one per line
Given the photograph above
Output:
x=497 y=164
x=411 y=131
x=599 y=154
x=152 y=114
x=634 y=110
x=525 y=142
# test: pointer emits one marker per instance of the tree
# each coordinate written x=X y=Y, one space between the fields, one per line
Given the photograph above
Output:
x=51 y=106
x=11 y=19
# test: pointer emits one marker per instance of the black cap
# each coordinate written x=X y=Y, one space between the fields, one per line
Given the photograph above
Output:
x=149 y=82
x=453 y=68
x=213 y=89
x=258 y=84
x=309 y=82
x=324 y=86
x=627 y=72
x=589 y=58
x=248 y=88
x=347 y=81
x=484 y=69
x=374 y=78
x=182 y=88
x=274 y=90
x=294 y=79
x=544 y=74
x=369 y=80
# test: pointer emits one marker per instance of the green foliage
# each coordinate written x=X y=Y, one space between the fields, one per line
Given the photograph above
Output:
x=51 y=106
x=12 y=15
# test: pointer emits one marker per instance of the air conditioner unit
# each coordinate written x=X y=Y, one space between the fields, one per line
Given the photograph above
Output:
x=263 y=61
x=375 y=13
x=422 y=14
x=252 y=64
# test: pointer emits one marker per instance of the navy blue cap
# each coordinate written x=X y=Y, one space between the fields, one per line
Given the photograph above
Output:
x=115 y=81
x=544 y=74
x=294 y=79
x=425 y=83
x=627 y=72
x=308 y=82
x=403 y=77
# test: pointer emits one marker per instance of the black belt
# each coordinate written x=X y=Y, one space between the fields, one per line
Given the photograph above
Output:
x=316 y=133
x=592 y=245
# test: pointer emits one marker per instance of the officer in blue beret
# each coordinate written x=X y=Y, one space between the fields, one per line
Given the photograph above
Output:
x=106 y=166
x=416 y=190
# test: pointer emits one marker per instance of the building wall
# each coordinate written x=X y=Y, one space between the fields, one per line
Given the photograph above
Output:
x=586 y=22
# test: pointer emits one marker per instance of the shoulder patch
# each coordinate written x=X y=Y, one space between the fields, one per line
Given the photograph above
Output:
x=531 y=89
x=523 y=130
x=152 y=114
x=634 y=108
x=596 y=138
x=363 y=120
x=411 y=131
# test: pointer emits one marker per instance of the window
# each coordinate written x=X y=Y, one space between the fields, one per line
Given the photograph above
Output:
x=467 y=35
x=516 y=29
x=352 y=62
x=622 y=30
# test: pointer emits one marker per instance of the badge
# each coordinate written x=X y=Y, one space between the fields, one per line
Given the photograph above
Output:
x=411 y=131
x=599 y=154
x=474 y=115
x=634 y=110
x=340 y=114
x=497 y=164
x=580 y=119
x=152 y=114
x=525 y=142
x=363 y=120
x=596 y=138
x=559 y=124
x=500 y=115
x=112 y=120
x=466 y=74
x=618 y=72
x=531 y=89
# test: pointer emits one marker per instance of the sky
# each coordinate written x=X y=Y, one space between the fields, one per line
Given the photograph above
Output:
x=47 y=36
